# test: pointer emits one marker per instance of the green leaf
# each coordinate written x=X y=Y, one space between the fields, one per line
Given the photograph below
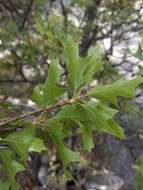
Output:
x=67 y=155
x=80 y=69
x=37 y=145
x=24 y=141
x=110 y=92
x=100 y=120
x=115 y=129
x=99 y=114
x=86 y=131
x=38 y=95
x=11 y=167
x=94 y=116
x=69 y=112
x=104 y=110
x=20 y=141
x=90 y=117
x=139 y=53
x=50 y=91
x=76 y=114
x=4 y=185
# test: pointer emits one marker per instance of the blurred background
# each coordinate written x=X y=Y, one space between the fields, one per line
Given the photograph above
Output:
x=30 y=33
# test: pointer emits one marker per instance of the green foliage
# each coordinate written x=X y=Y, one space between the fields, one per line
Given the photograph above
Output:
x=81 y=69
x=11 y=167
x=14 y=160
x=46 y=94
x=24 y=141
x=4 y=185
x=139 y=53
x=110 y=92
x=86 y=112
x=65 y=153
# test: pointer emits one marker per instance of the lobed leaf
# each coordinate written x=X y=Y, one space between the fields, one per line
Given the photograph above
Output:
x=139 y=53
x=24 y=141
x=90 y=117
x=69 y=112
x=46 y=94
x=110 y=92
x=4 y=185
x=86 y=131
x=67 y=155
x=11 y=167
x=80 y=69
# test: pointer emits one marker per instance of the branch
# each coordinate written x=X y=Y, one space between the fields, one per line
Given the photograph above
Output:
x=3 y=98
x=9 y=9
x=14 y=7
x=64 y=12
x=26 y=15
x=55 y=106
x=89 y=32
x=116 y=27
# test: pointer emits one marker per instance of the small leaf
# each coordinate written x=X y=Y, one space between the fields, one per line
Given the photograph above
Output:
x=69 y=112
x=51 y=89
x=24 y=141
x=80 y=69
x=139 y=53
x=104 y=110
x=110 y=92
x=37 y=145
x=100 y=113
x=94 y=116
x=4 y=185
x=20 y=141
x=90 y=117
x=47 y=94
x=67 y=156
x=86 y=131
x=117 y=131
x=38 y=95
x=100 y=121
x=11 y=167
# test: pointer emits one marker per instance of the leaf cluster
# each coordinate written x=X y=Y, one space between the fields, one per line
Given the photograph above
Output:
x=88 y=112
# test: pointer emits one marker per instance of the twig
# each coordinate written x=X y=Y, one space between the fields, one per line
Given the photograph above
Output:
x=14 y=7
x=2 y=99
x=58 y=105
x=64 y=12
x=26 y=15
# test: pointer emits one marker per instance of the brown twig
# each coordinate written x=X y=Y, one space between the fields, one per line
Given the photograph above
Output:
x=55 y=106
x=3 y=99
x=26 y=15
x=64 y=12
